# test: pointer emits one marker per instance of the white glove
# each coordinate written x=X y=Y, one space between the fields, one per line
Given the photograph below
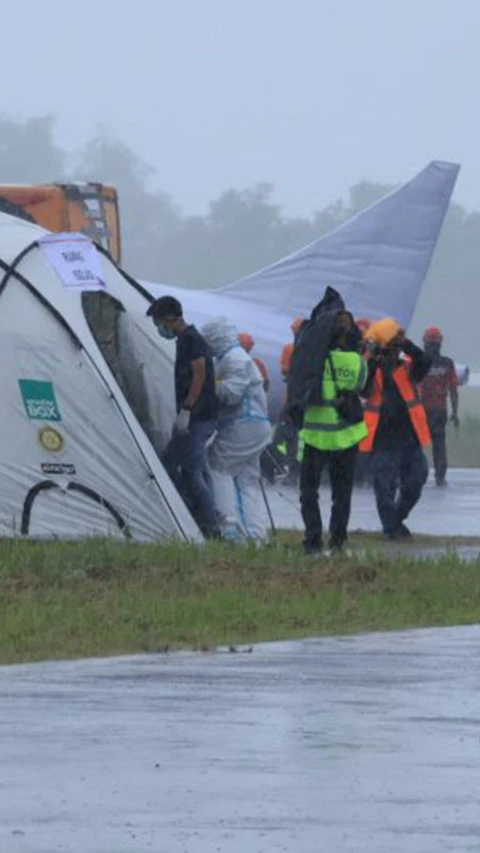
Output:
x=182 y=422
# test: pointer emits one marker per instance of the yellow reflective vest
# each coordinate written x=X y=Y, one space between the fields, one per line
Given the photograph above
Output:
x=322 y=426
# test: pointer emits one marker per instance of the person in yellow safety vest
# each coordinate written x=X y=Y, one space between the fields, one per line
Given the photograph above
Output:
x=330 y=436
x=362 y=465
x=247 y=343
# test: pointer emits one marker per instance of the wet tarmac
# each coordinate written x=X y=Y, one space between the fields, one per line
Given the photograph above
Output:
x=450 y=511
x=340 y=745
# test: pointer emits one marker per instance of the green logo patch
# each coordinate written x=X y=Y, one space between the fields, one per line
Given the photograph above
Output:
x=39 y=400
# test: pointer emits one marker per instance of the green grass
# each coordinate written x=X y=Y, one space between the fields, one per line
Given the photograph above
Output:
x=60 y=600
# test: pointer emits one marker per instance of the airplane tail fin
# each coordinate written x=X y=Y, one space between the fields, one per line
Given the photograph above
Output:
x=377 y=260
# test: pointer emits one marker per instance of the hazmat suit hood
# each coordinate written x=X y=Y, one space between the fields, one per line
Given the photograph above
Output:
x=220 y=335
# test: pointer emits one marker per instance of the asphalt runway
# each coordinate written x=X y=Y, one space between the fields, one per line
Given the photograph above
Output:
x=450 y=511
x=367 y=743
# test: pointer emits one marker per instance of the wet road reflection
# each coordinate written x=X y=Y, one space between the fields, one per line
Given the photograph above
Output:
x=452 y=511
x=348 y=744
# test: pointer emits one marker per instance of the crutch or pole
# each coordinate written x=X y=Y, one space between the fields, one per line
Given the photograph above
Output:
x=269 y=511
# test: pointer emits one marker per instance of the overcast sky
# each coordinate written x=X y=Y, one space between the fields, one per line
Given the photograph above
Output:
x=312 y=95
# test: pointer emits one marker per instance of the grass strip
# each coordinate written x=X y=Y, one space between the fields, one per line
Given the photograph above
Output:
x=101 y=597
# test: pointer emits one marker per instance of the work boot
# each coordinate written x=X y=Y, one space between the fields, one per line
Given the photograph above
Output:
x=399 y=534
x=440 y=483
x=312 y=549
x=403 y=531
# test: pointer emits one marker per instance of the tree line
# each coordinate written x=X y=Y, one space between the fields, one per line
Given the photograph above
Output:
x=241 y=230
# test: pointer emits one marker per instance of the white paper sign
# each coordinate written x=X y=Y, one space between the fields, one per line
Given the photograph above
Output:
x=75 y=260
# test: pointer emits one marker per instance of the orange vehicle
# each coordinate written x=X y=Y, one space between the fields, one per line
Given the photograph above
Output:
x=88 y=208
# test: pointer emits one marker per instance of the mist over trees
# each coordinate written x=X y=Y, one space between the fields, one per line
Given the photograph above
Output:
x=241 y=230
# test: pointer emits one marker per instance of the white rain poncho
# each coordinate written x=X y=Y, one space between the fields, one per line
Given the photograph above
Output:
x=243 y=433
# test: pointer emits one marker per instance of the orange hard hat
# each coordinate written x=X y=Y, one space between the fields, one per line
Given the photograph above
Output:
x=383 y=331
x=246 y=341
x=297 y=324
x=432 y=335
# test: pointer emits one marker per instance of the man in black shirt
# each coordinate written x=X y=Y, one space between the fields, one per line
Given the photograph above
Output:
x=197 y=407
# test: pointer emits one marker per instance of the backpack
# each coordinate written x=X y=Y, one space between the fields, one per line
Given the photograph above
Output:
x=313 y=343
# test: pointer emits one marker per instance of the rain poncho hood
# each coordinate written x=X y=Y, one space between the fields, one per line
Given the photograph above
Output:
x=312 y=345
x=221 y=336
x=243 y=426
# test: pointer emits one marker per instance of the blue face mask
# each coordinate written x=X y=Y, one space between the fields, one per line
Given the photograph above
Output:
x=165 y=332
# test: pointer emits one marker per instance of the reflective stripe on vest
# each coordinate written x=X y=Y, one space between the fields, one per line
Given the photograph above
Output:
x=409 y=394
x=323 y=427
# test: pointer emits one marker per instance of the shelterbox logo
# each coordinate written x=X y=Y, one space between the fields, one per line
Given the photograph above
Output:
x=39 y=400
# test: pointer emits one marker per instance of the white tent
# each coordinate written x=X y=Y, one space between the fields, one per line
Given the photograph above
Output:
x=73 y=459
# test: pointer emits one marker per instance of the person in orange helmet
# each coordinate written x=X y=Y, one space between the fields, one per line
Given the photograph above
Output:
x=247 y=343
x=396 y=420
x=440 y=383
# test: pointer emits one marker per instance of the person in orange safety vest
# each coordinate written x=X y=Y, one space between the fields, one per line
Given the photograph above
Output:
x=398 y=431
x=287 y=351
x=247 y=343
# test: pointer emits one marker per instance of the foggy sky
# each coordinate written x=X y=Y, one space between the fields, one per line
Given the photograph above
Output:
x=313 y=95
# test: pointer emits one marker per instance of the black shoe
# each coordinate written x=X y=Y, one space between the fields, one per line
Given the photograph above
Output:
x=399 y=534
x=441 y=484
x=212 y=533
x=336 y=547
x=312 y=550
x=403 y=531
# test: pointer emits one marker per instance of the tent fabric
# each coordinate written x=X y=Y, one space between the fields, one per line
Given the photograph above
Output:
x=147 y=370
x=377 y=261
x=73 y=458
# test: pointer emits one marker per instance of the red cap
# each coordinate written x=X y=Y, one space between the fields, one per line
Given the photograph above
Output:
x=432 y=335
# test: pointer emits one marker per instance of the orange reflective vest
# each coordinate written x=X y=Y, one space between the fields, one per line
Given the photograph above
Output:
x=285 y=359
x=409 y=393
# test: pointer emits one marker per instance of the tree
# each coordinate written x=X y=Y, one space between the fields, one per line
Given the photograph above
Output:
x=147 y=217
x=28 y=153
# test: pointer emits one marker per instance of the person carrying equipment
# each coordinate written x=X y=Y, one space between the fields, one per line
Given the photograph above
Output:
x=397 y=424
x=440 y=382
x=362 y=472
x=247 y=342
x=327 y=374
x=243 y=431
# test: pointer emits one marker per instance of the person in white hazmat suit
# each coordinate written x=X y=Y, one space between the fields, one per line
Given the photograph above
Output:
x=243 y=432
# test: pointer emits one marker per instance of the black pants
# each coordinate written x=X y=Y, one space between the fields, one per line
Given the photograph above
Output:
x=341 y=467
x=399 y=476
x=437 y=421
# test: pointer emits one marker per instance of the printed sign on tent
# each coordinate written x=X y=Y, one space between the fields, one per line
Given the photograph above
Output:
x=39 y=400
x=75 y=260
